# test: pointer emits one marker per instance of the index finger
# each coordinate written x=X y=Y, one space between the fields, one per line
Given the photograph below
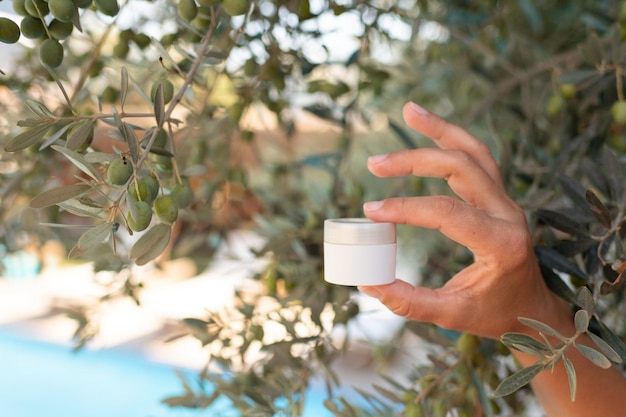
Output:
x=449 y=136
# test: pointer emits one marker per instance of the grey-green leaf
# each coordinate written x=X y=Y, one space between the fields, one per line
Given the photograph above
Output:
x=77 y=208
x=95 y=236
x=159 y=105
x=541 y=327
x=131 y=139
x=123 y=87
x=581 y=321
x=585 y=300
x=79 y=161
x=79 y=136
x=55 y=136
x=520 y=339
x=519 y=379
x=571 y=377
x=151 y=244
x=28 y=138
x=606 y=349
x=59 y=195
x=594 y=356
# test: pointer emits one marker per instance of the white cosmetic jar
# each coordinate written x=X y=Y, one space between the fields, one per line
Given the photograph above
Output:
x=358 y=251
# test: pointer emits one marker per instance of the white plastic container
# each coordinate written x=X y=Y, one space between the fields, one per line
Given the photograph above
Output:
x=358 y=251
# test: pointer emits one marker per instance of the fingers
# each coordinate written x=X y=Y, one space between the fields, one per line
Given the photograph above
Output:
x=449 y=136
x=403 y=299
x=483 y=234
x=466 y=178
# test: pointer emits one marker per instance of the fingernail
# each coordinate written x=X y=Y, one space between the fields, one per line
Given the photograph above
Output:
x=418 y=109
x=371 y=291
x=375 y=159
x=372 y=205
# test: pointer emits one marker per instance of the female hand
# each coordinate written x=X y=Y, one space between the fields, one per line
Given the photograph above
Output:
x=504 y=281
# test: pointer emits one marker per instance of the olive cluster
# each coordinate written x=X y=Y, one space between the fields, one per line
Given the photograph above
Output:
x=146 y=196
x=50 y=21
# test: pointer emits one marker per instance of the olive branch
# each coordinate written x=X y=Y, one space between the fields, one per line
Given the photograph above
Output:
x=549 y=355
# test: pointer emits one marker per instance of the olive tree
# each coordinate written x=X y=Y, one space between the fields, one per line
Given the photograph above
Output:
x=131 y=143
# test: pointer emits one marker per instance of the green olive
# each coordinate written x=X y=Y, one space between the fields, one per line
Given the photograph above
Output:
x=19 y=7
x=555 y=104
x=60 y=30
x=187 y=9
x=467 y=343
x=35 y=7
x=119 y=171
x=146 y=189
x=568 y=90
x=32 y=27
x=62 y=10
x=166 y=209
x=144 y=216
x=9 y=31
x=181 y=193
x=108 y=7
x=51 y=53
x=235 y=7
x=167 y=89
x=618 y=111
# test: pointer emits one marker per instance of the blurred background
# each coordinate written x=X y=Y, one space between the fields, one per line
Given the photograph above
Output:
x=166 y=167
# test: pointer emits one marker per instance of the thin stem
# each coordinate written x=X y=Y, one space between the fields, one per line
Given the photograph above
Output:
x=204 y=47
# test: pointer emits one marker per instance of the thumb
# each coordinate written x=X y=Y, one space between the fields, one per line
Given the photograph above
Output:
x=413 y=302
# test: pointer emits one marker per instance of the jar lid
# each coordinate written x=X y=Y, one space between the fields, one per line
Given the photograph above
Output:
x=358 y=231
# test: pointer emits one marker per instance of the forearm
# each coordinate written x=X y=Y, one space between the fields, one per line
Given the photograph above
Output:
x=600 y=392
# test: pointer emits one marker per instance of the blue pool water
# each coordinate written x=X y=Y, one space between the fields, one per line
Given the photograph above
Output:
x=40 y=379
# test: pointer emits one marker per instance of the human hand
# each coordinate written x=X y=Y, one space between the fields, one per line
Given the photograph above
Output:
x=504 y=282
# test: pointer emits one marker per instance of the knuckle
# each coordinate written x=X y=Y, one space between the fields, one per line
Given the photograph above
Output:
x=446 y=206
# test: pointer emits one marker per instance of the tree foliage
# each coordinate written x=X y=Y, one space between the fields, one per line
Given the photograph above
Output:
x=151 y=101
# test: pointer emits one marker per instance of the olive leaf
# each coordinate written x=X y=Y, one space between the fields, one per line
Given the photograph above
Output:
x=28 y=138
x=599 y=209
x=92 y=239
x=561 y=222
x=575 y=191
x=518 y=380
x=581 y=321
x=554 y=260
x=616 y=343
x=571 y=377
x=54 y=137
x=79 y=161
x=605 y=348
x=540 y=327
x=593 y=355
x=159 y=105
x=123 y=87
x=77 y=208
x=59 y=195
x=525 y=343
x=79 y=136
x=131 y=139
x=151 y=244
x=585 y=300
